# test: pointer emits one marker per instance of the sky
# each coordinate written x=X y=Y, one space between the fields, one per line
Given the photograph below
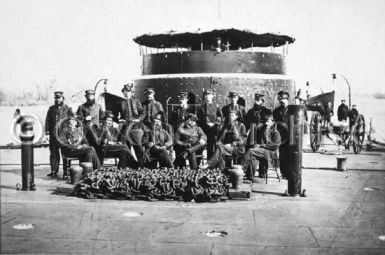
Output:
x=72 y=44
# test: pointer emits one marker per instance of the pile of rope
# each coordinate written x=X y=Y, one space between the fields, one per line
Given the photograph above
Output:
x=155 y=184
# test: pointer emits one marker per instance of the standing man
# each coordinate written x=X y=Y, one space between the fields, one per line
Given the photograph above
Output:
x=254 y=118
x=209 y=119
x=342 y=111
x=90 y=110
x=241 y=111
x=264 y=150
x=328 y=114
x=131 y=110
x=157 y=142
x=231 y=143
x=281 y=117
x=131 y=113
x=151 y=107
x=190 y=140
x=257 y=114
x=180 y=114
x=55 y=114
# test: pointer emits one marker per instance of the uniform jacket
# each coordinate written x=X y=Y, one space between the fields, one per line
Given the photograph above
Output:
x=131 y=109
x=342 y=112
x=241 y=111
x=156 y=136
x=90 y=109
x=234 y=134
x=280 y=114
x=270 y=142
x=54 y=115
x=151 y=108
x=281 y=117
x=69 y=139
x=209 y=113
x=189 y=135
x=179 y=115
x=256 y=115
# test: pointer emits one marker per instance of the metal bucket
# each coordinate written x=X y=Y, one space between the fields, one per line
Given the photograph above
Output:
x=87 y=168
x=237 y=178
x=75 y=174
x=342 y=163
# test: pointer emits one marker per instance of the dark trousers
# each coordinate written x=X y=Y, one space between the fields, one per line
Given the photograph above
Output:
x=126 y=159
x=161 y=156
x=84 y=154
x=54 y=157
x=218 y=159
x=211 y=133
x=252 y=158
x=193 y=151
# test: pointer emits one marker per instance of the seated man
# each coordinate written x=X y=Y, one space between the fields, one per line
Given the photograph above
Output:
x=265 y=150
x=74 y=144
x=231 y=142
x=112 y=144
x=190 y=140
x=157 y=141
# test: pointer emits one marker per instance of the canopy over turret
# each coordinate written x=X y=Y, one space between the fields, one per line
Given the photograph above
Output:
x=234 y=38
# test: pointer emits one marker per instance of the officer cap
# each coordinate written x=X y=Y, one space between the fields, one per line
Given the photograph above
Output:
x=233 y=94
x=192 y=116
x=208 y=91
x=283 y=93
x=149 y=91
x=183 y=95
x=127 y=86
x=58 y=94
x=90 y=92
x=258 y=96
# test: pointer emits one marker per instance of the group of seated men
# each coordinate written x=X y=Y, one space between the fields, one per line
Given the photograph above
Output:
x=229 y=134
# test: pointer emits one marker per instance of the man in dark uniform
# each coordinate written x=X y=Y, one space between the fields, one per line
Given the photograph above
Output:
x=90 y=110
x=257 y=114
x=264 y=150
x=179 y=115
x=151 y=107
x=111 y=144
x=281 y=117
x=342 y=111
x=231 y=142
x=157 y=142
x=91 y=114
x=209 y=119
x=74 y=144
x=55 y=114
x=190 y=140
x=254 y=119
x=328 y=114
x=131 y=113
x=241 y=111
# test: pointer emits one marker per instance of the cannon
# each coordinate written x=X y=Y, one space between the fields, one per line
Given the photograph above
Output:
x=348 y=135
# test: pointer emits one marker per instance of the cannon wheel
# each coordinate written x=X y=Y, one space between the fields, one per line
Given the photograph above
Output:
x=358 y=133
x=315 y=131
